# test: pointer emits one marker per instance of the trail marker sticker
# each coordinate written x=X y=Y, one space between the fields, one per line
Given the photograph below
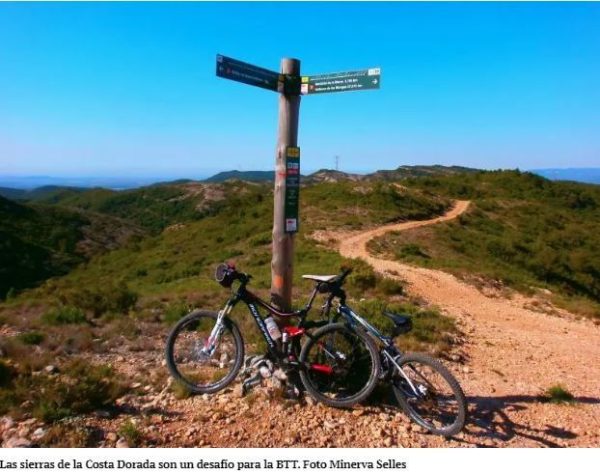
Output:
x=292 y=189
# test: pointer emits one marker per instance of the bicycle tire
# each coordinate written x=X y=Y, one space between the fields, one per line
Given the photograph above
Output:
x=305 y=371
x=459 y=421
x=172 y=366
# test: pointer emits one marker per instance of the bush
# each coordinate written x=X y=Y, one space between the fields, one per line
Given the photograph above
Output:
x=80 y=389
x=32 y=337
x=557 y=394
x=107 y=297
x=130 y=433
x=65 y=315
x=174 y=311
x=6 y=374
x=67 y=435
x=390 y=287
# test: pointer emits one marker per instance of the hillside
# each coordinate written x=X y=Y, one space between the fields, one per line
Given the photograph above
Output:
x=242 y=175
x=39 y=241
x=153 y=208
x=407 y=171
x=522 y=231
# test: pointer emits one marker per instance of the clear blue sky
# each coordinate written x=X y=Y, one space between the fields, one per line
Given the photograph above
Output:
x=130 y=89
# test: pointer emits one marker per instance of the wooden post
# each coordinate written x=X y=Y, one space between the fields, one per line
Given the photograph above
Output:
x=283 y=243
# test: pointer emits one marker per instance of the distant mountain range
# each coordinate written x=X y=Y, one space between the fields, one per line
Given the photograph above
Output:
x=584 y=175
x=36 y=188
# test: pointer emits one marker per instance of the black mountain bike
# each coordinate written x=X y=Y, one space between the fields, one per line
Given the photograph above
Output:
x=337 y=364
x=424 y=388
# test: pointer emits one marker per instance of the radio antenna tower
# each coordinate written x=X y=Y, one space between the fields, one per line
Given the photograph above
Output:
x=337 y=163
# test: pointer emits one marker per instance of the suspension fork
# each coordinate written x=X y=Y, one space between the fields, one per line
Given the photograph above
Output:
x=211 y=343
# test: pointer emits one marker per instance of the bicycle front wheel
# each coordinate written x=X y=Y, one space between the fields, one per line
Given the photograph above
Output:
x=430 y=395
x=196 y=362
x=340 y=366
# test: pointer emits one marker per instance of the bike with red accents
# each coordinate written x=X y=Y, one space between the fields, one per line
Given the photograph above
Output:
x=337 y=365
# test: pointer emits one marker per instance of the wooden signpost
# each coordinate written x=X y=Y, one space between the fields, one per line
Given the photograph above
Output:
x=290 y=85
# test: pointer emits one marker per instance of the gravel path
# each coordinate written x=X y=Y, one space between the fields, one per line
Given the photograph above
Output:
x=513 y=353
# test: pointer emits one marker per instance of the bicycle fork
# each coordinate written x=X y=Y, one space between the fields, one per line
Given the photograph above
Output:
x=211 y=343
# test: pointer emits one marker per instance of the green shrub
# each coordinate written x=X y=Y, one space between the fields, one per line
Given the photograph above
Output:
x=130 y=433
x=390 y=287
x=32 y=337
x=65 y=315
x=6 y=374
x=364 y=280
x=80 y=388
x=411 y=250
x=174 y=311
x=557 y=394
x=68 y=435
x=105 y=297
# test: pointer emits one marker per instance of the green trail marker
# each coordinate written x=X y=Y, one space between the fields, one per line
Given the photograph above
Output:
x=292 y=189
x=342 y=82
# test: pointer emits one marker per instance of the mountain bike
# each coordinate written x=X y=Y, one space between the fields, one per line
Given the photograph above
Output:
x=424 y=388
x=337 y=365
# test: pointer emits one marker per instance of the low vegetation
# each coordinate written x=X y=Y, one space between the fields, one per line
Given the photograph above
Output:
x=522 y=230
x=558 y=394
x=77 y=389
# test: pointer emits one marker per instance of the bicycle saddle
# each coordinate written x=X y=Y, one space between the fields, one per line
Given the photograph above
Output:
x=402 y=323
x=319 y=278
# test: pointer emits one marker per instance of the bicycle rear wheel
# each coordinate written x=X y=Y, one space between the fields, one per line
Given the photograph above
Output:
x=197 y=363
x=430 y=395
x=340 y=366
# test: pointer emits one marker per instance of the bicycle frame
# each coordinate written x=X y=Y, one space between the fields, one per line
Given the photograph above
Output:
x=253 y=302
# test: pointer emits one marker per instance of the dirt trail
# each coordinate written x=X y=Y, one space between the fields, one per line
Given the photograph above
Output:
x=512 y=353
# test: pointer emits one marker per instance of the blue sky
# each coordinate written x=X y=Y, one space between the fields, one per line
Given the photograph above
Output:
x=130 y=89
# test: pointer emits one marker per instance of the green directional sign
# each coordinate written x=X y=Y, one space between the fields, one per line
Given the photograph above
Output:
x=292 y=189
x=342 y=82
x=230 y=68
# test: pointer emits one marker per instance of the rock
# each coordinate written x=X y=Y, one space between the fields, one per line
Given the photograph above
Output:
x=466 y=369
x=135 y=385
x=16 y=442
x=122 y=444
x=329 y=425
x=309 y=401
x=120 y=358
x=387 y=442
x=50 y=369
x=38 y=433
x=111 y=437
x=6 y=423
x=103 y=414
x=358 y=412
